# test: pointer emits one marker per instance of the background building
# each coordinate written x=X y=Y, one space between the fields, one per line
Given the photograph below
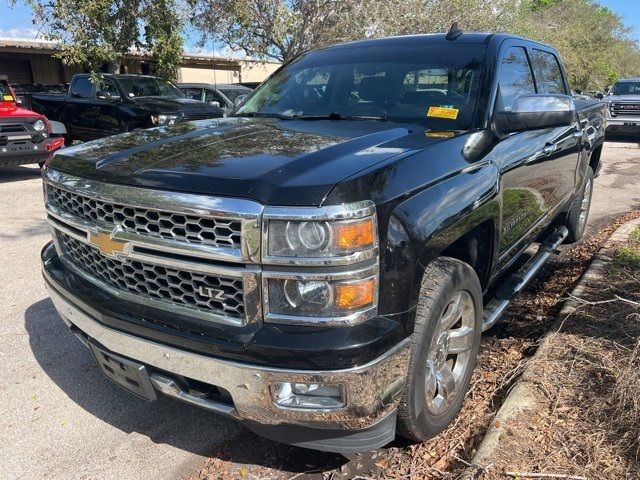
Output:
x=33 y=61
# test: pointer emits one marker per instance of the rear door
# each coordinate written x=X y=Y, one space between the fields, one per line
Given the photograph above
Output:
x=534 y=164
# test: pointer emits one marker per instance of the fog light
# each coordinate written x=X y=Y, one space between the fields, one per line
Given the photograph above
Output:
x=308 y=395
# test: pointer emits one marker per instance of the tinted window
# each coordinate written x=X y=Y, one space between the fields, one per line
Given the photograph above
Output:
x=515 y=78
x=194 y=93
x=109 y=87
x=212 y=96
x=233 y=93
x=547 y=72
x=141 y=86
x=424 y=85
x=5 y=92
x=82 y=88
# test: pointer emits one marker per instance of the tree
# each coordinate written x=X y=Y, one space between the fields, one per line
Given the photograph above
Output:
x=281 y=29
x=592 y=40
x=93 y=33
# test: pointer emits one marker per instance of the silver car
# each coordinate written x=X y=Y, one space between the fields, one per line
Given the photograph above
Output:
x=225 y=95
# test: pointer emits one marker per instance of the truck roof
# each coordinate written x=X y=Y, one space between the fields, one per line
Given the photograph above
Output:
x=471 y=38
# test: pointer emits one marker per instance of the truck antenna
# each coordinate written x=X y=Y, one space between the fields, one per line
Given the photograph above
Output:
x=454 y=32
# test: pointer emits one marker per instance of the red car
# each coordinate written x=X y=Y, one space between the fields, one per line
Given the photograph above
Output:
x=25 y=136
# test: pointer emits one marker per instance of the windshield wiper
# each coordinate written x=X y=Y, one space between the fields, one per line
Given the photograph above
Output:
x=342 y=116
x=265 y=115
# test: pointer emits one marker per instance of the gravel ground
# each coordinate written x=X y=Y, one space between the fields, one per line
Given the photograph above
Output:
x=62 y=419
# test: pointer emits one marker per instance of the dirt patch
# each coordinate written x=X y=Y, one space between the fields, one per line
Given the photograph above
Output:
x=504 y=351
x=587 y=377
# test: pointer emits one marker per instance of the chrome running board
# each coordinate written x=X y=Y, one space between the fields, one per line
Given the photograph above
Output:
x=516 y=283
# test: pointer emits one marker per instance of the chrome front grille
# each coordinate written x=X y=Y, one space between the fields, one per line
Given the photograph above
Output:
x=218 y=232
x=194 y=290
x=625 y=109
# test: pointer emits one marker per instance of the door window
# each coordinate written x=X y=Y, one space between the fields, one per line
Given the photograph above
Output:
x=193 y=93
x=515 y=78
x=109 y=87
x=82 y=88
x=548 y=73
x=213 y=96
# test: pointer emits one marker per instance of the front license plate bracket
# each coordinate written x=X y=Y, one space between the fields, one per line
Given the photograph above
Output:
x=130 y=375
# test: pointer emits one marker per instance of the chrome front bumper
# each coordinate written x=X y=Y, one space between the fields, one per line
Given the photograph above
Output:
x=373 y=390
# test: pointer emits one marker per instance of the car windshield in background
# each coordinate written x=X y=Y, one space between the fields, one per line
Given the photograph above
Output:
x=420 y=84
x=149 y=87
x=233 y=93
x=5 y=92
x=626 y=88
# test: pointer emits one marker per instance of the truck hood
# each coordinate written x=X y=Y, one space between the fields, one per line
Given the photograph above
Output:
x=170 y=105
x=276 y=162
x=11 y=110
x=623 y=98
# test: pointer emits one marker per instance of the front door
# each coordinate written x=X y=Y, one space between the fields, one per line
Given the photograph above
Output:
x=537 y=166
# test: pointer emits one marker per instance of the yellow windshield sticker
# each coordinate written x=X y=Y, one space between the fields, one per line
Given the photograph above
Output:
x=443 y=112
x=436 y=134
x=8 y=98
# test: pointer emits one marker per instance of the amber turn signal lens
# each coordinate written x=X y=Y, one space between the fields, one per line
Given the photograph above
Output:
x=355 y=235
x=355 y=295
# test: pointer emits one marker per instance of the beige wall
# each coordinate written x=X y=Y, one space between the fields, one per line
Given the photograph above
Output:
x=206 y=75
x=257 y=71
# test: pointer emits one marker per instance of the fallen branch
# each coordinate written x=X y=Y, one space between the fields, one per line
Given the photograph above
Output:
x=544 y=475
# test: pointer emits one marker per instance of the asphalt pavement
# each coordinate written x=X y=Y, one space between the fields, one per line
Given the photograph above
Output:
x=61 y=419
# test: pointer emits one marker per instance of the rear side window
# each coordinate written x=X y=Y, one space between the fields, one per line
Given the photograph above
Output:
x=548 y=74
x=82 y=88
x=515 y=78
x=212 y=96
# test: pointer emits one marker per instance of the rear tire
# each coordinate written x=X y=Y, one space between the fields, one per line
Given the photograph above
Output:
x=444 y=349
x=578 y=214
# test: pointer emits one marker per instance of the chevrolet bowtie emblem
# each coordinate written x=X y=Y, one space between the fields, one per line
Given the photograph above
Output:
x=106 y=244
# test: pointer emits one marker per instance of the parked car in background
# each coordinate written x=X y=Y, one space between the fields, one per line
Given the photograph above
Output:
x=25 y=136
x=320 y=265
x=228 y=96
x=623 y=107
x=119 y=103
x=251 y=85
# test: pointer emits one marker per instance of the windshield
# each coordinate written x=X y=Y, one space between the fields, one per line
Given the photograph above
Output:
x=626 y=88
x=149 y=87
x=5 y=92
x=430 y=85
x=233 y=93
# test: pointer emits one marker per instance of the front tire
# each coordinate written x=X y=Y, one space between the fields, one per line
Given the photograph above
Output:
x=444 y=350
x=578 y=214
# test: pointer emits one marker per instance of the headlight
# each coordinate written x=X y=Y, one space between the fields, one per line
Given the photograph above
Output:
x=332 y=236
x=331 y=299
x=40 y=126
x=164 y=119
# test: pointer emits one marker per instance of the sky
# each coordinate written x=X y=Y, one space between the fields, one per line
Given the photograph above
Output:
x=15 y=21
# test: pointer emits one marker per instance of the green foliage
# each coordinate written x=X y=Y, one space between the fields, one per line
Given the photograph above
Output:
x=92 y=33
x=628 y=256
x=593 y=41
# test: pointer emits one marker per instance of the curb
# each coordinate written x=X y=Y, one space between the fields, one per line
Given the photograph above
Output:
x=523 y=395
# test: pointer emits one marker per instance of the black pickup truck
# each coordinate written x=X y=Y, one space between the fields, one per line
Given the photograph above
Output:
x=321 y=264
x=118 y=104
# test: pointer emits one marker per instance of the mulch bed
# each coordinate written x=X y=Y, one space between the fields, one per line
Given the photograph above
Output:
x=504 y=352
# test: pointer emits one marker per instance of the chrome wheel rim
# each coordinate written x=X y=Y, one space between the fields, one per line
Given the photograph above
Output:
x=585 y=204
x=449 y=354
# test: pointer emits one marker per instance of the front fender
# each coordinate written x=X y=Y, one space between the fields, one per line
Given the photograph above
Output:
x=432 y=220
x=57 y=128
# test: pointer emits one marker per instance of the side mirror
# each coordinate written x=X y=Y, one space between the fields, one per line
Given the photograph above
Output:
x=534 y=112
x=215 y=104
x=599 y=96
